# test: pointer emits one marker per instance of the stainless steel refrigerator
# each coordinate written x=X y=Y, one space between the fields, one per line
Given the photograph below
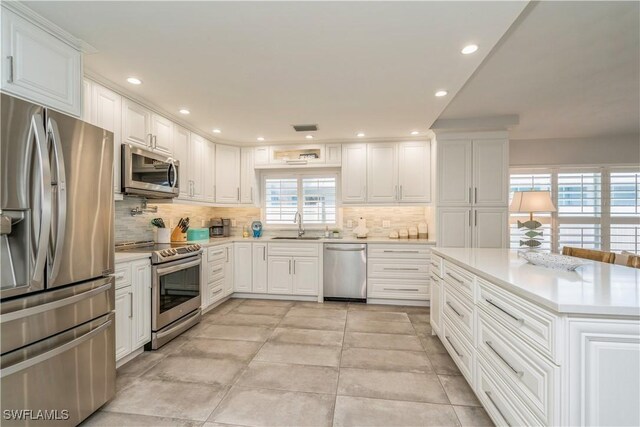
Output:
x=57 y=331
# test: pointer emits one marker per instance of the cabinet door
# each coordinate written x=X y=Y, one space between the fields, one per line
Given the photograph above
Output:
x=454 y=173
x=123 y=306
x=280 y=279
x=454 y=227
x=196 y=167
x=259 y=270
x=490 y=228
x=333 y=154
x=39 y=66
x=242 y=257
x=491 y=172
x=162 y=130
x=248 y=189
x=306 y=276
x=107 y=114
x=354 y=173
x=382 y=173
x=141 y=289
x=435 y=303
x=182 y=146
x=87 y=101
x=136 y=124
x=227 y=174
x=208 y=175
x=261 y=155
x=228 y=270
x=414 y=172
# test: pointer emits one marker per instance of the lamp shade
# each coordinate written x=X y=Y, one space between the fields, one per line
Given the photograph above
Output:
x=532 y=201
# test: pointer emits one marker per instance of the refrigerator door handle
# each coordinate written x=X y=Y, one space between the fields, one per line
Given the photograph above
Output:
x=21 y=366
x=61 y=199
x=37 y=133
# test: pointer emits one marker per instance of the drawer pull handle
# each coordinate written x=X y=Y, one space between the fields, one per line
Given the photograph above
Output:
x=216 y=252
x=119 y=276
x=460 y=355
x=401 y=269
x=454 y=310
x=517 y=319
x=400 y=252
x=403 y=289
x=520 y=374
x=455 y=278
x=217 y=269
x=216 y=292
x=488 y=393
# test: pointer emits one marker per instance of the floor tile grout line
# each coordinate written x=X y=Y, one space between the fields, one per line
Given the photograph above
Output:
x=344 y=333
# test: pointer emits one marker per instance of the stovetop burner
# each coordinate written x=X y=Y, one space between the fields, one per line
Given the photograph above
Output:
x=161 y=252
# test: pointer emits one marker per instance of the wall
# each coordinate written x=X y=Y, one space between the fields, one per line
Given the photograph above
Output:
x=399 y=216
x=619 y=150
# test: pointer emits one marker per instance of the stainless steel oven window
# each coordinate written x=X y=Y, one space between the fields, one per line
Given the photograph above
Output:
x=176 y=290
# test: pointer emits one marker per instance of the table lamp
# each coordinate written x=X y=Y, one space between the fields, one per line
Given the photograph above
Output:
x=531 y=202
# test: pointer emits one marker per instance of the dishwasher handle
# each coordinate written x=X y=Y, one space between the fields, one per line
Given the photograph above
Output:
x=335 y=248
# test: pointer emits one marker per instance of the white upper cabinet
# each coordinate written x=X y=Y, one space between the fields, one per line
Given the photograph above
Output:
x=248 y=186
x=454 y=173
x=261 y=156
x=333 y=154
x=107 y=114
x=227 y=174
x=40 y=67
x=208 y=173
x=490 y=172
x=136 y=124
x=182 y=144
x=196 y=167
x=162 y=131
x=354 y=173
x=382 y=173
x=414 y=172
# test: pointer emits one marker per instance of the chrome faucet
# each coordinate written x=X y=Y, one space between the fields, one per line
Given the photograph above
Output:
x=298 y=219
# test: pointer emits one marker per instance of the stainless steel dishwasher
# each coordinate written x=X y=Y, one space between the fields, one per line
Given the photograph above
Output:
x=345 y=271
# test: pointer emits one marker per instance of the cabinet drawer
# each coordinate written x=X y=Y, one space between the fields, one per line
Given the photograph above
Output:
x=499 y=402
x=459 y=278
x=459 y=348
x=123 y=275
x=458 y=310
x=294 y=249
x=436 y=264
x=398 y=251
x=216 y=253
x=530 y=375
x=215 y=271
x=398 y=289
x=407 y=269
x=531 y=324
x=216 y=291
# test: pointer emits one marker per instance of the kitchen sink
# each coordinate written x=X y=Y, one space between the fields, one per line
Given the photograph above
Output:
x=296 y=238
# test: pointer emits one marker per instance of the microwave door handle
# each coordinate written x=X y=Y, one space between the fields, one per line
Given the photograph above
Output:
x=38 y=134
x=172 y=167
x=56 y=242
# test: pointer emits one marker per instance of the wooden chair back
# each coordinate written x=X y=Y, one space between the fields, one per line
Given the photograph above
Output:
x=633 y=261
x=592 y=254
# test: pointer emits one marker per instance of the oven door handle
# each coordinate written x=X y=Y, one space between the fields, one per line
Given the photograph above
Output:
x=161 y=271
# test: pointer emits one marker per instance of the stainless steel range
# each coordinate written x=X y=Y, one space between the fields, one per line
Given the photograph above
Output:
x=175 y=288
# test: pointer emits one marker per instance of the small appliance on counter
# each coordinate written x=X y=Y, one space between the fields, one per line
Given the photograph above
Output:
x=197 y=234
x=256 y=226
x=361 y=230
x=220 y=227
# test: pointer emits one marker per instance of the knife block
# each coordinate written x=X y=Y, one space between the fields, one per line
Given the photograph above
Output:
x=178 y=236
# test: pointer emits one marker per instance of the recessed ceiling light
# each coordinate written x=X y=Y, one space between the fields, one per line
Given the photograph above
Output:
x=469 y=49
x=360 y=134
x=217 y=131
x=441 y=93
x=260 y=138
x=134 y=80
x=309 y=136
x=185 y=111
x=415 y=132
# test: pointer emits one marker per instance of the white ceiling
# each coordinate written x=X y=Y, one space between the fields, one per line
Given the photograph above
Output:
x=254 y=68
x=568 y=69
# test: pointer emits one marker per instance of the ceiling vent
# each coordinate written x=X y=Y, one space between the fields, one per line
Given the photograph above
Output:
x=305 y=128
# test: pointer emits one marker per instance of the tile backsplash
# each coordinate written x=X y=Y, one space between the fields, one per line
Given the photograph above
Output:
x=136 y=228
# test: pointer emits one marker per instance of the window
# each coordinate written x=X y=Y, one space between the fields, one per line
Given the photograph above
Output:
x=314 y=196
x=597 y=208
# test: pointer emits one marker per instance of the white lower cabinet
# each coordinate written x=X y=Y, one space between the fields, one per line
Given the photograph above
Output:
x=228 y=269
x=398 y=272
x=243 y=257
x=217 y=276
x=280 y=280
x=306 y=278
x=133 y=306
x=259 y=270
x=473 y=227
x=291 y=274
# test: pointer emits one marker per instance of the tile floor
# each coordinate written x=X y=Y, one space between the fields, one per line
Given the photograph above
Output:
x=285 y=363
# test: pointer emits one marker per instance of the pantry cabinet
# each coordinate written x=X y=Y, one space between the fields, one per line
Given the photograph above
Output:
x=490 y=172
x=227 y=174
x=354 y=173
x=39 y=66
x=454 y=173
x=454 y=227
x=473 y=227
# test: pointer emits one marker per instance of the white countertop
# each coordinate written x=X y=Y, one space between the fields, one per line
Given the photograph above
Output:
x=131 y=256
x=594 y=288
x=269 y=239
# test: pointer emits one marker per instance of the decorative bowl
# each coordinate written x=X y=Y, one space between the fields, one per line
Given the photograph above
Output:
x=555 y=261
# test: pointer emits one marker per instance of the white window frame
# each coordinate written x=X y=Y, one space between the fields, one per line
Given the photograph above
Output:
x=280 y=174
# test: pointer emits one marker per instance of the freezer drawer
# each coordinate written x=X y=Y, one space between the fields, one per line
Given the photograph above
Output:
x=33 y=318
x=345 y=271
x=69 y=375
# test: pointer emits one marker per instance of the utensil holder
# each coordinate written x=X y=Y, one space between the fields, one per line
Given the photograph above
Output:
x=178 y=236
x=163 y=235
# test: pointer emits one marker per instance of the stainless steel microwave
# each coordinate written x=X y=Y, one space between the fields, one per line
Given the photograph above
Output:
x=149 y=174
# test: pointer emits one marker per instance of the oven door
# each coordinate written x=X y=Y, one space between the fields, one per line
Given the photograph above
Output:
x=149 y=174
x=175 y=290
